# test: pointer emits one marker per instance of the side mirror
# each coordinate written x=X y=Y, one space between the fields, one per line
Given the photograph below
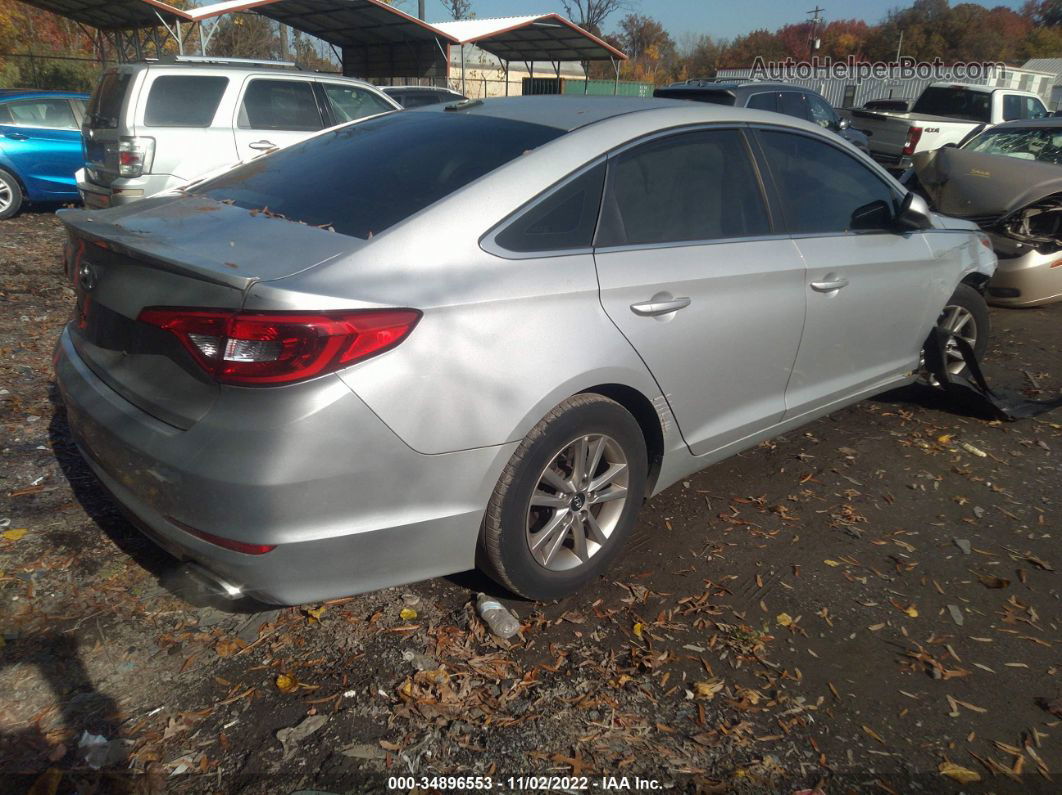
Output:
x=914 y=213
x=844 y=124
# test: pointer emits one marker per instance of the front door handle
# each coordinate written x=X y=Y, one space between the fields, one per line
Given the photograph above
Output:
x=829 y=284
x=654 y=307
x=15 y=136
x=262 y=146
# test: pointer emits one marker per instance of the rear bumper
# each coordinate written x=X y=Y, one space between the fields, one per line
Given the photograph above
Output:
x=891 y=160
x=1025 y=280
x=123 y=190
x=348 y=505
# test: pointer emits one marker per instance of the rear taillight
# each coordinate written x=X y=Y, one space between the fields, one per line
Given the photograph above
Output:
x=135 y=155
x=225 y=543
x=266 y=348
x=914 y=135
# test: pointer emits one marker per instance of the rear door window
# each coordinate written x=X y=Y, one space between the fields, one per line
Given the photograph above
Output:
x=792 y=103
x=694 y=186
x=54 y=114
x=765 y=101
x=184 y=100
x=349 y=103
x=1012 y=107
x=280 y=105
x=364 y=178
x=105 y=107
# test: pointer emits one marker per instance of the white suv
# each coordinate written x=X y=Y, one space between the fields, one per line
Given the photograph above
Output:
x=156 y=125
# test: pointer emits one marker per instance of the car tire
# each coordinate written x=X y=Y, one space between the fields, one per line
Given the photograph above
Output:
x=534 y=550
x=966 y=312
x=10 y=195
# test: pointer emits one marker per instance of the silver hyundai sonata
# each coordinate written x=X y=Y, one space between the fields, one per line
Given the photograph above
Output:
x=490 y=327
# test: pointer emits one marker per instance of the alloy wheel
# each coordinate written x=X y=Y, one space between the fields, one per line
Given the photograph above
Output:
x=6 y=195
x=957 y=321
x=577 y=502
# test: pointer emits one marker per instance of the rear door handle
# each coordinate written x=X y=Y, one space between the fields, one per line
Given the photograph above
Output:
x=653 y=308
x=262 y=146
x=829 y=284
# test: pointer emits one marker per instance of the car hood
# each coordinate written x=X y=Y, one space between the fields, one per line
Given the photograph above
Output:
x=983 y=186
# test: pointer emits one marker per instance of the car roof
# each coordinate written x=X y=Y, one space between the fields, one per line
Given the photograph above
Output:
x=572 y=112
x=7 y=94
x=731 y=85
x=388 y=89
x=220 y=65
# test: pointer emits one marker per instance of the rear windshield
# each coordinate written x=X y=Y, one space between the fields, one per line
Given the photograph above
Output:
x=959 y=103
x=184 y=100
x=106 y=104
x=366 y=177
x=714 y=97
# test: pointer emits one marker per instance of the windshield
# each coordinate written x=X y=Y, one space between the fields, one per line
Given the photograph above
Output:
x=1032 y=143
x=368 y=176
x=959 y=103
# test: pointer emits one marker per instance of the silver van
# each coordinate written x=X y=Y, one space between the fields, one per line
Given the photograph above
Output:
x=155 y=125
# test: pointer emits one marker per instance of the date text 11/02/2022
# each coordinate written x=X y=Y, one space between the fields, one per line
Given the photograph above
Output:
x=522 y=783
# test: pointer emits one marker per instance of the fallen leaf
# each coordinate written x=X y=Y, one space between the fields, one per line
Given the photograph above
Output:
x=15 y=534
x=313 y=615
x=873 y=734
x=407 y=614
x=638 y=630
x=784 y=620
x=293 y=735
x=708 y=688
x=958 y=773
x=286 y=683
x=992 y=582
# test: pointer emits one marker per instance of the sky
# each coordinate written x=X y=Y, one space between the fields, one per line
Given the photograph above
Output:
x=721 y=19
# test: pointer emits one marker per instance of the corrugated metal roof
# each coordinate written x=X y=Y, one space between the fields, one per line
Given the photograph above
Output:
x=545 y=37
x=1051 y=65
x=113 y=14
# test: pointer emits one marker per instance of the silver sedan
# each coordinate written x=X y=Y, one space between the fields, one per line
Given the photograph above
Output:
x=486 y=331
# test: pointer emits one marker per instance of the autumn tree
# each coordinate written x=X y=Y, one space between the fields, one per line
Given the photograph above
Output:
x=458 y=9
x=591 y=14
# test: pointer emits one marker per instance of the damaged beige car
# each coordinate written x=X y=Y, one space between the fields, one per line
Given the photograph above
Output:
x=1008 y=180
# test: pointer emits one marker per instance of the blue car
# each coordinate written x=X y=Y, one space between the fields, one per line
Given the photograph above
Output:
x=40 y=147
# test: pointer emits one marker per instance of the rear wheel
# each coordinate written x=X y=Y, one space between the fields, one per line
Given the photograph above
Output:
x=10 y=195
x=567 y=500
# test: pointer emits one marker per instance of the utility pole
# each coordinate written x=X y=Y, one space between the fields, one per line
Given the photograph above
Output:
x=899 y=47
x=420 y=9
x=816 y=18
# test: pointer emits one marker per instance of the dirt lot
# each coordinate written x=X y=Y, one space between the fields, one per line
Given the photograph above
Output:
x=869 y=604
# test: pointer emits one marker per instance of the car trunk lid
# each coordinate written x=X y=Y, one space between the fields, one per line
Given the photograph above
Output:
x=186 y=252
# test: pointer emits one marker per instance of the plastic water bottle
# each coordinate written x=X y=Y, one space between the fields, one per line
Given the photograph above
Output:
x=501 y=622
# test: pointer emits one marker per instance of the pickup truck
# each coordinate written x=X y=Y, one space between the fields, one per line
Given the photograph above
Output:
x=945 y=113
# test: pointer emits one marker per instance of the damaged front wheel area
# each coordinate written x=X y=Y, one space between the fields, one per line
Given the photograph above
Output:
x=964 y=316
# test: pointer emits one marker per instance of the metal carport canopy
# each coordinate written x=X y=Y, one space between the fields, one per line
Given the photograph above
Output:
x=376 y=39
x=548 y=37
x=113 y=14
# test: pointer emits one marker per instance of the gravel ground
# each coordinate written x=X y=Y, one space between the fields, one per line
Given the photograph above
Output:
x=871 y=603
